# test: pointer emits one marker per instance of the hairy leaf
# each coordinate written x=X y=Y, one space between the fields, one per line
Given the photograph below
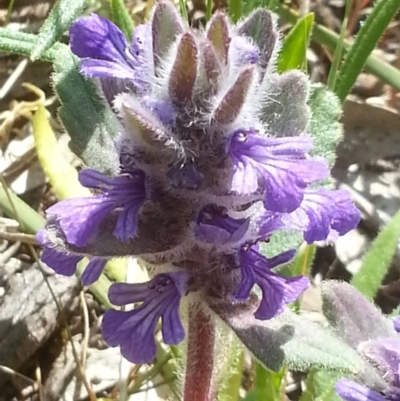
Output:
x=287 y=339
x=58 y=21
x=88 y=119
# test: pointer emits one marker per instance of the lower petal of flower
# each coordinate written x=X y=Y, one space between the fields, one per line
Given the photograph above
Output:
x=352 y=391
x=134 y=330
x=80 y=218
x=215 y=226
x=276 y=291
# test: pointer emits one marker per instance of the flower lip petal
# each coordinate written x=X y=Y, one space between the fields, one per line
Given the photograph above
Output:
x=98 y=38
x=278 y=166
x=276 y=291
x=396 y=324
x=134 y=330
x=352 y=391
x=106 y=53
x=80 y=218
x=215 y=226
x=93 y=270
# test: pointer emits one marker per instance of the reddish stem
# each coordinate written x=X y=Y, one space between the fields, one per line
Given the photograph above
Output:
x=200 y=357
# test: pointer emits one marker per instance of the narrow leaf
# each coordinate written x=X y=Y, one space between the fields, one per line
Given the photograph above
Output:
x=381 y=69
x=62 y=176
x=378 y=259
x=367 y=38
x=121 y=18
x=339 y=48
x=293 y=54
x=23 y=43
x=58 y=21
x=303 y=262
x=235 y=9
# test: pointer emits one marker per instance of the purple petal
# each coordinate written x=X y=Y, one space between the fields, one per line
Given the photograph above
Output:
x=216 y=227
x=105 y=50
x=277 y=165
x=97 y=37
x=322 y=215
x=385 y=355
x=396 y=324
x=93 y=270
x=80 y=218
x=352 y=391
x=61 y=263
x=134 y=331
x=277 y=291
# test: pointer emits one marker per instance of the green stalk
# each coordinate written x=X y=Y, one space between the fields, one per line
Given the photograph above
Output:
x=338 y=51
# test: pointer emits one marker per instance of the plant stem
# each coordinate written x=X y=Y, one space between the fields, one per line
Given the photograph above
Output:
x=200 y=356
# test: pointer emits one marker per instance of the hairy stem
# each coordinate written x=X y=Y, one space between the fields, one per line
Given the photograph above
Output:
x=200 y=356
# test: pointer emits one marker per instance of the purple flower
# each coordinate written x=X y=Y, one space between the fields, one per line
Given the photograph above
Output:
x=106 y=52
x=216 y=227
x=198 y=183
x=352 y=391
x=65 y=264
x=384 y=355
x=276 y=291
x=396 y=324
x=80 y=218
x=134 y=330
x=322 y=215
x=276 y=166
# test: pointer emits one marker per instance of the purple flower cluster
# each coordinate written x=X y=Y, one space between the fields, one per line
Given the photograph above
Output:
x=384 y=354
x=203 y=177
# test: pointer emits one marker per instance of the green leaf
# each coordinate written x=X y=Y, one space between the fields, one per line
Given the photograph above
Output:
x=384 y=71
x=235 y=9
x=12 y=41
x=367 y=38
x=287 y=340
x=209 y=6
x=122 y=18
x=87 y=118
x=183 y=10
x=232 y=373
x=320 y=386
x=281 y=241
x=303 y=262
x=324 y=126
x=58 y=21
x=378 y=259
x=267 y=382
x=339 y=48
x=293 y=54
